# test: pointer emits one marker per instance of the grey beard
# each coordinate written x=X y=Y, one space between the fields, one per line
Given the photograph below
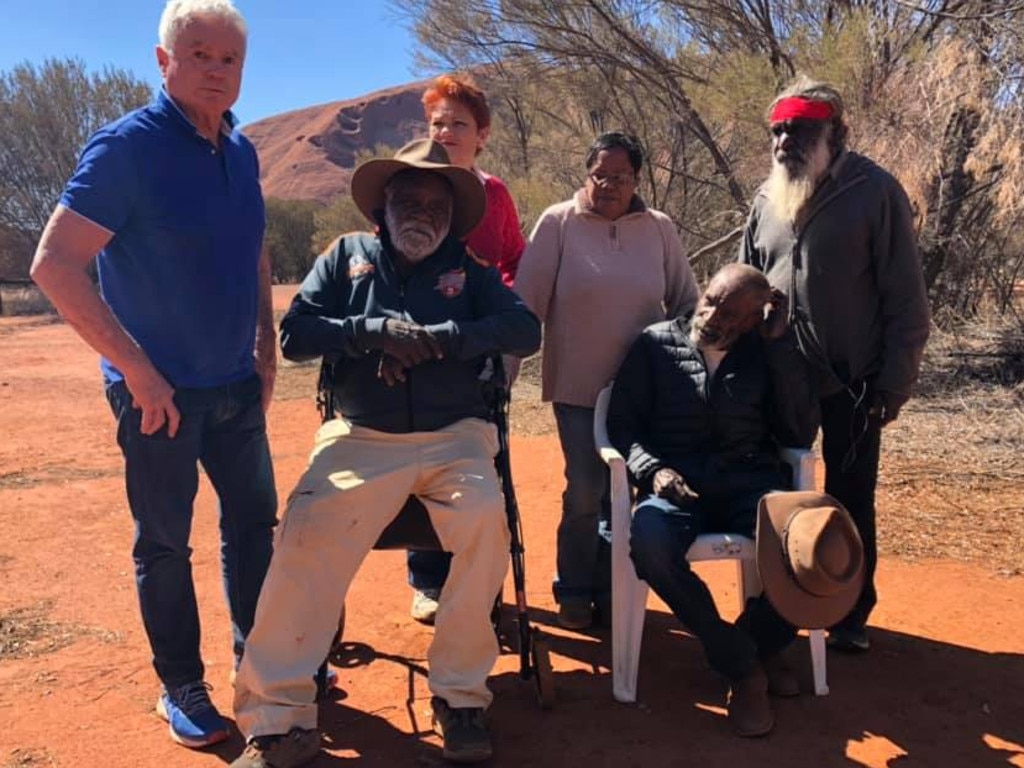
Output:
x=416 y=248
x=786 y=195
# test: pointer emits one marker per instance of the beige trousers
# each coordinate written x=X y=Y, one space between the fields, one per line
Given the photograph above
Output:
x=357 y=481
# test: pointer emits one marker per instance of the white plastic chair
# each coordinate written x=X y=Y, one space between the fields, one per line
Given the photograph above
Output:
x=629 y=593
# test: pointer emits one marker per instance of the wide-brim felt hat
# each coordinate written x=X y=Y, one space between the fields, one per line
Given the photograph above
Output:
x=370 y=178
x=810 y=557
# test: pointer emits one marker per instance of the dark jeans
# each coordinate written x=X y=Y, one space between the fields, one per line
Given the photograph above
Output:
x=850 y=446
x=428 y=569
x=224 y=429
x=584 y=555
x=660 y=536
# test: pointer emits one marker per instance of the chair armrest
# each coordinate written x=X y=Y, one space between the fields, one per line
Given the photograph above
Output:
x=604 y=446
x=802 y=462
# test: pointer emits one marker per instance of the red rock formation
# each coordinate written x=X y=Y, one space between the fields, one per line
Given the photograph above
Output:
x=309 y=154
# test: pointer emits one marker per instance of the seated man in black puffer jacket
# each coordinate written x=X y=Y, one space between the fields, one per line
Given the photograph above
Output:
x=700 y=407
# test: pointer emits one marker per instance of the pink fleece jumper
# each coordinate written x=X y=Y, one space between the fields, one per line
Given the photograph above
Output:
x=596 y=284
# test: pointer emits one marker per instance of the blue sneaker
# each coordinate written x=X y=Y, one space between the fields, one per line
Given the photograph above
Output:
x=192 y=719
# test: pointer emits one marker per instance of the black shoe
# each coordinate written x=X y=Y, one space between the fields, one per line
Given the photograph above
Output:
x=290 y=750
x=849 y=640
x=749 y=711
x=575 y=614
x=465 y=734
x=782 y=681
x=603 y=611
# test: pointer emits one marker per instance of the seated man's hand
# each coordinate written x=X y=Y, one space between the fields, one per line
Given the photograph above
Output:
x=391 y=370
x=885 y=407
x=670 y=485
x=409 y=343
x=511 y=364
x=776 y=315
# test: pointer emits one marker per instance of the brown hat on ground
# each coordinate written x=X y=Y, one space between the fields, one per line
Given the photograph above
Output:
x=370 y=178
x=809 y=556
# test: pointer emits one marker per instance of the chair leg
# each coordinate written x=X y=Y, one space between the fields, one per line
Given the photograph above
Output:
x=748 y=582
x=817 y=642
x=629 y=606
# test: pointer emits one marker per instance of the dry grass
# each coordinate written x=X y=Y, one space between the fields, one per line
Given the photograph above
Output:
x=17 y=300
x=29 y=758
x=28 y=631
x=952 y=483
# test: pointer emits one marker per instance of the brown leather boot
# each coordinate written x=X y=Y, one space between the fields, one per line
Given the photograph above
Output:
x=750 y=713
x=782 y=681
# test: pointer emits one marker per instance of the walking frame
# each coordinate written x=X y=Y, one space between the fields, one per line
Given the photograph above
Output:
x=411 y=528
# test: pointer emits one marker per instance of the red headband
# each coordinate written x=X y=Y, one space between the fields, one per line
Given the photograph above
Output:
x=797 y=108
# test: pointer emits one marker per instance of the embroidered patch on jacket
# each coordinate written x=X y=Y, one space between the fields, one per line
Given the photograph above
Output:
x=359 y=265
x=451 y=283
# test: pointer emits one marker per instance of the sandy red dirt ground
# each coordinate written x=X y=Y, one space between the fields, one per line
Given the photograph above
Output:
x=942 y=686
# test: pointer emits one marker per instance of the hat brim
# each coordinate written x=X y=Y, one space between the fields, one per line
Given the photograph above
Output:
x=470 y=200
x=798 y=607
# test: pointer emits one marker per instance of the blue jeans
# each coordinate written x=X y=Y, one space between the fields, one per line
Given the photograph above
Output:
x=660 y=535
x=584 y=554
x=224 y=429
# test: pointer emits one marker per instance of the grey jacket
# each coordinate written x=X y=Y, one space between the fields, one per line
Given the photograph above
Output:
x=852 y=271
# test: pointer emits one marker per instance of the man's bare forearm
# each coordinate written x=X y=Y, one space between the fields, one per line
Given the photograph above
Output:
x=266 y=334
x=72 y=292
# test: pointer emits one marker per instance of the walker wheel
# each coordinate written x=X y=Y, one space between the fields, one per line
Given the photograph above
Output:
x=543 y=674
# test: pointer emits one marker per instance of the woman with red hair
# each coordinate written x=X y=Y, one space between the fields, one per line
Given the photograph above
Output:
x=459 y=119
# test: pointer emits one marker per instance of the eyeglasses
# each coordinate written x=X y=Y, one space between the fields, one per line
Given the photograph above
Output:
x=611 y=179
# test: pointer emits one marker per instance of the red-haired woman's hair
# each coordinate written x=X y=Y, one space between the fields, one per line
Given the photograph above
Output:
x=461 y=89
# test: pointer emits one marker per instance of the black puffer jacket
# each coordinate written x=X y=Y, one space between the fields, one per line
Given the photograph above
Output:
x=722 y=434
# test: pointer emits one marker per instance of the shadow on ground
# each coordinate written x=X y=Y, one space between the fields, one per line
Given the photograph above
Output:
x=909 y=702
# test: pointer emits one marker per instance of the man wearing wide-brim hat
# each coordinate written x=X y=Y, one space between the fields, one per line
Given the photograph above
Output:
x=407 y=317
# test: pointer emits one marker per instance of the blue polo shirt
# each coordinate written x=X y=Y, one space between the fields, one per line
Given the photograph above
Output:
x=187 y=219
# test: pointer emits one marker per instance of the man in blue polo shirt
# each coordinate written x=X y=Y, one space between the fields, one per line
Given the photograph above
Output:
x=169 y=198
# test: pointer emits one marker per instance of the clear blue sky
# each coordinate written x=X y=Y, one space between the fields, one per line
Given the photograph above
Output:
x=300 y=53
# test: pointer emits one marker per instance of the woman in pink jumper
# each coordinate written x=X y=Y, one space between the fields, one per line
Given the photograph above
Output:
x=599 y=268
x=458 y=118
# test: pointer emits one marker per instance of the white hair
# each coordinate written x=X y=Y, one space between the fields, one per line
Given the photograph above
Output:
x=178 y=13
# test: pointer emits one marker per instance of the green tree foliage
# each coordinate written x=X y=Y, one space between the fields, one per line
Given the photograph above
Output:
x=47 y=113
x=338 y=218
x=291 y=225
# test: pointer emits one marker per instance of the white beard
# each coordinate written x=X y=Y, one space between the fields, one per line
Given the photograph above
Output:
x=787 y=194
x=413 y=242
x=415 y=246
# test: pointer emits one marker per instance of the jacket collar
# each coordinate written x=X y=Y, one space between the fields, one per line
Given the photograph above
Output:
x=582 y=206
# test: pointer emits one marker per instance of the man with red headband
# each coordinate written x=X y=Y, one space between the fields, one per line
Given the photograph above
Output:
x=834 y=232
